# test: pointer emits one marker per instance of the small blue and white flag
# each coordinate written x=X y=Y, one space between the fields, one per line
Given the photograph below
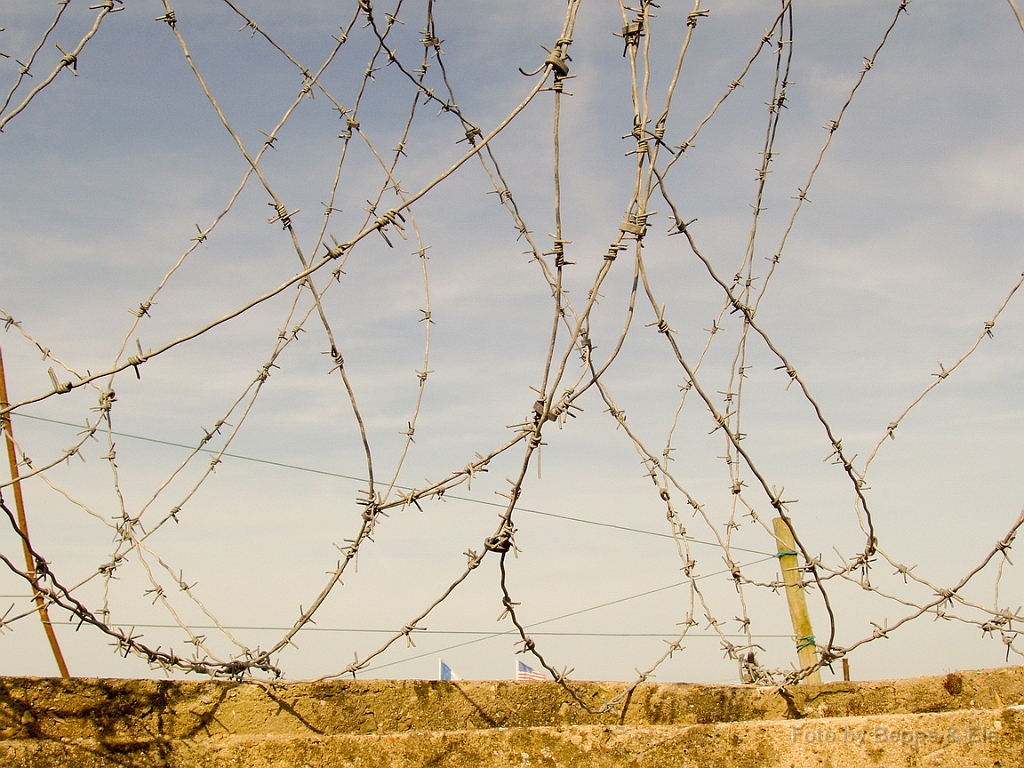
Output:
x=526 y=672
x=446 y=672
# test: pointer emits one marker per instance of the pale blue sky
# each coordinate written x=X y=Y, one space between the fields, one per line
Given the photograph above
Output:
x=911 y=242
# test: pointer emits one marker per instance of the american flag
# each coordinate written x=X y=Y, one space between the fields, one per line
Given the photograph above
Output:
x=526 y=672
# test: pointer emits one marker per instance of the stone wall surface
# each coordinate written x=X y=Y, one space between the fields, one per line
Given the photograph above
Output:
x=961 y=719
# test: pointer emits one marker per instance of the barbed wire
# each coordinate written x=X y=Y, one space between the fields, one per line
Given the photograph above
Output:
x=569 y=370
x=68 y=61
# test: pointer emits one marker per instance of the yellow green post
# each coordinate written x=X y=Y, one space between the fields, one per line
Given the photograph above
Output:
x=797 y=599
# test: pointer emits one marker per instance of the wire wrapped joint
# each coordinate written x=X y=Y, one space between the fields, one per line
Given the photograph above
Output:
x=107 y=400
x=501 y=542
x=805 y=641
x=69 y=60
x=558 y=251
x=392 y=217
x=631 y=34
x=632 y=228
x=282 y=215
x=143 y=310
x=691 y=18
x=338 y=250
x=613 y=251
x=58 y=387
x=473 y=559
x=557 y=59
x=558 y=64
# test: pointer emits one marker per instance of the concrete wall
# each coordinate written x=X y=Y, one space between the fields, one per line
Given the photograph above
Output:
x=968 y=718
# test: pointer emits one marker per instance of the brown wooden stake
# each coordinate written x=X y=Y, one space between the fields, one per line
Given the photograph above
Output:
x=19 y=505
x=846 y=670
x=796 y=598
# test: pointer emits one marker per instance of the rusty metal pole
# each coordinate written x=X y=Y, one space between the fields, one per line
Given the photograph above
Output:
x=796 y=598
x=19 y=505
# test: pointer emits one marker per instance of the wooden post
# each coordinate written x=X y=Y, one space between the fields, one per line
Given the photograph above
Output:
x=796 y=598
x=19 y=505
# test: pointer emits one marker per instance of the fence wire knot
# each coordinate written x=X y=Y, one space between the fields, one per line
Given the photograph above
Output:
x=691 y=19
x=282 y=215
x=501 y=542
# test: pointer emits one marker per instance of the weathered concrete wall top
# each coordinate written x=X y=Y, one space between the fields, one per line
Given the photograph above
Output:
x=977 y=717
